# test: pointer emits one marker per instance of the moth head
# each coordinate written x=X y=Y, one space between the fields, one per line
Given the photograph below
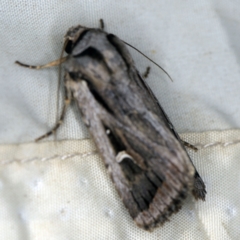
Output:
x=72 y=36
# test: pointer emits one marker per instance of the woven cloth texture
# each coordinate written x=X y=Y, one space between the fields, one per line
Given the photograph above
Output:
x=60 y=189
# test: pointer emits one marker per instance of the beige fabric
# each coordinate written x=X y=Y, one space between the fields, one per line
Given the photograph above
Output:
x=61 y=190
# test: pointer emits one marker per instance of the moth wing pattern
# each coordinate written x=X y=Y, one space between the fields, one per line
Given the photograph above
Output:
x=151 y=193
x=148 y=165
x=199 y=189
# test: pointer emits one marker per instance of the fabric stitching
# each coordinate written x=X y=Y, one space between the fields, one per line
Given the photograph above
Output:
x=61 y=157
x=87 y=154
x=214 y=144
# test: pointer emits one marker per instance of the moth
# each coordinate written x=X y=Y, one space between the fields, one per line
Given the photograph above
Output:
x=146 y=158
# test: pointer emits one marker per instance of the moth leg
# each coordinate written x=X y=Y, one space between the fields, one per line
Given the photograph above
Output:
x=146 y=73
x=101 y=24
x=50 y=64
x=67 y=101
x=189 y=145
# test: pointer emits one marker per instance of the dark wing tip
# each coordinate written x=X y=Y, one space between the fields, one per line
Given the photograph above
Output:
x=199 y=188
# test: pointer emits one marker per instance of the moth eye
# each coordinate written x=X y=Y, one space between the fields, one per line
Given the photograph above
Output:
x=123 y=155
x=69 y=47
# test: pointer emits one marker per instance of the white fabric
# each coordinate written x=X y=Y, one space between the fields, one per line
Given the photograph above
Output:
x=197 y=42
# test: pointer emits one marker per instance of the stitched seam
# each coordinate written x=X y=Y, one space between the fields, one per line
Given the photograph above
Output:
x=87 y=154
x=214 y=144
x=60 y=156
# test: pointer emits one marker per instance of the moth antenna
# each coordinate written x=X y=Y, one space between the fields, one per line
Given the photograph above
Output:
x=149 y=59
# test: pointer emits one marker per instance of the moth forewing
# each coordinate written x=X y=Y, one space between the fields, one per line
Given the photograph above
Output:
x=144 y=155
